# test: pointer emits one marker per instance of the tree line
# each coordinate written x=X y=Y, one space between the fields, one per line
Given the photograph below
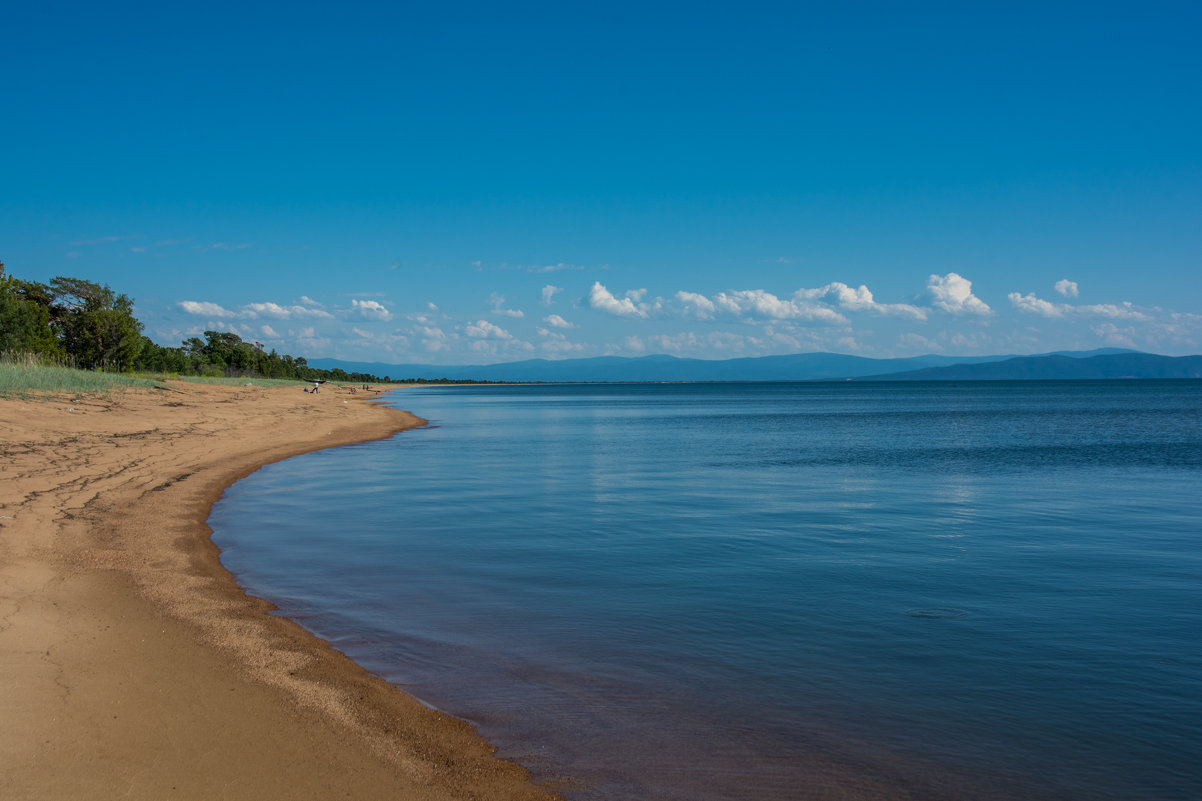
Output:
x=74 y=321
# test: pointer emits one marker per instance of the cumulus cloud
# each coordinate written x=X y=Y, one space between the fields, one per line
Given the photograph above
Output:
x=758 y=303
x=253 y=310
x=267 y=310
x=860 y=300
x=430 y=332
x=953 y=294
x=205 y=309
x=1031 y=304
x=268 y=331
x=1113 y=335
x=602 y=299
x=555 y=321
x=1067 y=288
x=549 y=292
x=806 y=304
x=483 y=329
x=497 y=301
x=371 y=309
x=1126 y=311
x=699 y=305
x=433 y=337
x=555 y=342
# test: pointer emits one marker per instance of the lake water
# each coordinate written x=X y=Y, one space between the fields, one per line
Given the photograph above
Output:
x=771 y=591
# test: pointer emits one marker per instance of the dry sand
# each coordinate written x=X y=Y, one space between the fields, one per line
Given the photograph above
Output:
x=132 y=666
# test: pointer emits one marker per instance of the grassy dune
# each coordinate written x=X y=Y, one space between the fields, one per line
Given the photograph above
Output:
x=24 y=376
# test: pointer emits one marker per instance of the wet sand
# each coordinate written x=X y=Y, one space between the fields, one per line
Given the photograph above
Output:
x=132 y=665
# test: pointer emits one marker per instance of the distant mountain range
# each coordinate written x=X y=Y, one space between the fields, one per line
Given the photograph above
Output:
x=1093 y=364
x=1058 y=366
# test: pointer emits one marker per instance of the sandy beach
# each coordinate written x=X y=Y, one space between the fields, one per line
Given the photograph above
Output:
x=131 y=664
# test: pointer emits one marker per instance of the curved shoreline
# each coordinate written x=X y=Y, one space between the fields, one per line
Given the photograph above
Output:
x=143 y=667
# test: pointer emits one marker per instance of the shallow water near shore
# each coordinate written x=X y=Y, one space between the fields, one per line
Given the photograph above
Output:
x=770 y=591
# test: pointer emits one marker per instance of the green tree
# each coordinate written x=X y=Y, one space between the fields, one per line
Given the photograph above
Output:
x=97 y=326
x=25 y=318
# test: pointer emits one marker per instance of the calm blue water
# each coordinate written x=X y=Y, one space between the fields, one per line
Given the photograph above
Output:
x=771 y=591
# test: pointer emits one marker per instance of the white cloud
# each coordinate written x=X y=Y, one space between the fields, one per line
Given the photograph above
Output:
x=371 y=309
x=726 y=341
x=430 y=332
x=549 y=292
x=205 y=309
x=861 y=299
x=1032 y=305
x=555 y=321
x=554 y=268
x=433 y=337
x=806 y=304
x=279 y=312
x=635 y=344
x=912 y=341
x=1113 y=335
x=700 y=306
x=267 y=309
x=765 y=304
x=268 y=331
x=685 y=340
x=483 y=329
x=430 y=305
x=497 y=300
x=1067 y=288
x=104 y=240
x=496 y=348
x=555 y=342
x=976 y=343
x=1126 y=311
x=758 y=303
x=308 y=301
x=953 y=294
x=602 y=299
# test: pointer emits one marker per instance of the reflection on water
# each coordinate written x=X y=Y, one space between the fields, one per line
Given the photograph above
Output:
x=761 y=591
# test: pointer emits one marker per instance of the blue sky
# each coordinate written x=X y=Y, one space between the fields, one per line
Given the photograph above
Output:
x=476 y=182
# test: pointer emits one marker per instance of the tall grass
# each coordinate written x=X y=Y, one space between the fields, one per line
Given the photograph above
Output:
x=23 y=375
x=240 y=381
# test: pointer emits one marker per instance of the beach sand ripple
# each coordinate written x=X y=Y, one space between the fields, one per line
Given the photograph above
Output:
x=131 y=664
